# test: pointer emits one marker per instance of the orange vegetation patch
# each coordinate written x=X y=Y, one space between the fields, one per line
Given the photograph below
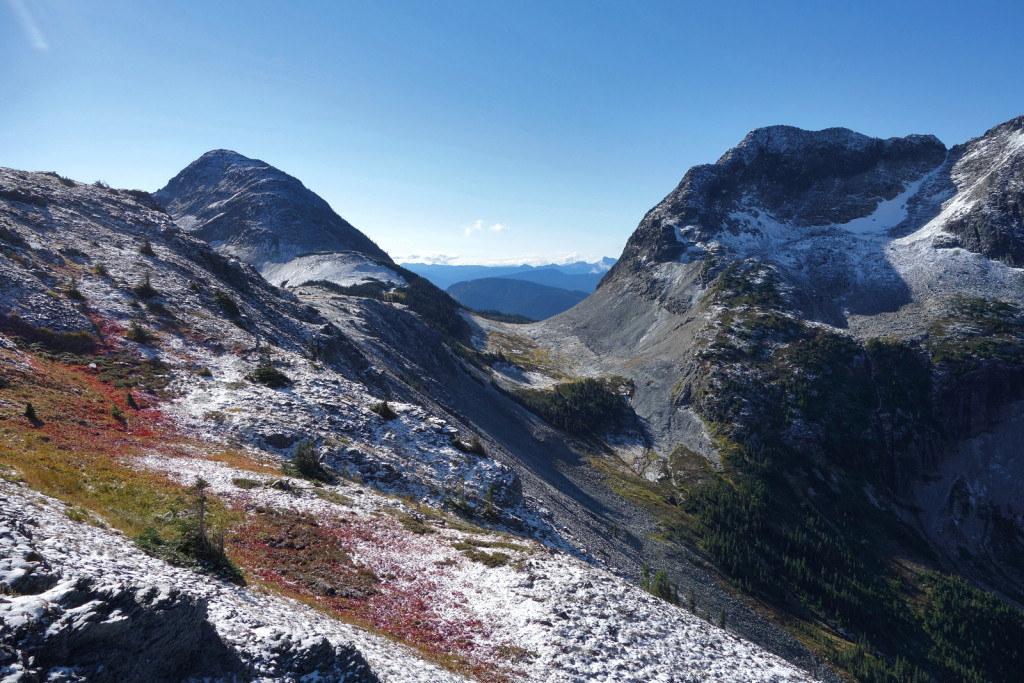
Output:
x=238 y=459
x=86 y=432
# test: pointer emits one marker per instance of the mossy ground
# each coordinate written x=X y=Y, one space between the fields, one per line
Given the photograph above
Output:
x=524 y=353
x=79 y=452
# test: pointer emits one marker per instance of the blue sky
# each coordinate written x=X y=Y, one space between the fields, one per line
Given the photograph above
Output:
x=484 y=131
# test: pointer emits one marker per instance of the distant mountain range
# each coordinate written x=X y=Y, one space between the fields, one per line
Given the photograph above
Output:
x=537 y=292
x=580 y=275
x=516 y=297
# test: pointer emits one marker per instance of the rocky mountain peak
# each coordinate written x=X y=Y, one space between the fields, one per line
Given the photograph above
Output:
x=219 y=171
x=249 y=209
x=854 y=223
x=793 y=140
x=790 y=140
x=805 y=179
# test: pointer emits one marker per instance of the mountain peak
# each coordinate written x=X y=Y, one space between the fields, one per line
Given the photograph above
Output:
x=227 y=158
x=801 y=177
x=249 y=209
x=214 y=153
x=855 y=223
x=788 y=139
x=214 y=168
x=783 y=140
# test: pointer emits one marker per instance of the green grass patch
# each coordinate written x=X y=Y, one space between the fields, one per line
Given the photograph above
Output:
x=476 y=554
x=416 y=525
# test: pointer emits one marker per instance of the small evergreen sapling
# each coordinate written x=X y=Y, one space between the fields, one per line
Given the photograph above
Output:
x=659 y=585
x=145 y=289
x=384 y=410
x=307 y=464
x=266 y=374
x=137 y=333
x=73 y=292
x=226 y=304
x=196 y=542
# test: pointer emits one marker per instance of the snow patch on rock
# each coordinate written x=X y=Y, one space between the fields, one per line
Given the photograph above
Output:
x=340 y=268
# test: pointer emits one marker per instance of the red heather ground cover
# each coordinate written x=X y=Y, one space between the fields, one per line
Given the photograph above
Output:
x=313 y=557
x=74 y=409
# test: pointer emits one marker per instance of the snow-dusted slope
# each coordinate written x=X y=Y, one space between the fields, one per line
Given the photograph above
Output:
x=36 y=537
x=563 y=619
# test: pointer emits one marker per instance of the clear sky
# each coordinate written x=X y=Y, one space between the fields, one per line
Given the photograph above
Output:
x=485 y=131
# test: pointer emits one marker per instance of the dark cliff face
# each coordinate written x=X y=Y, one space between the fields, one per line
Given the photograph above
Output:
x=807 y=178
x=251 y=210
x=990 y=170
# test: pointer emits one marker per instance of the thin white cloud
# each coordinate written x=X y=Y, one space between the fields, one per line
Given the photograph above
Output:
x=478 y=226
x=440 y=258
x=435 y=258
x=28 y=25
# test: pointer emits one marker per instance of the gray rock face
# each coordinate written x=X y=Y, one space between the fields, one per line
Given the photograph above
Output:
x=249 y=209
x=289 y=660
x=990 y=170
x=114 y=632
x=79 y=628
